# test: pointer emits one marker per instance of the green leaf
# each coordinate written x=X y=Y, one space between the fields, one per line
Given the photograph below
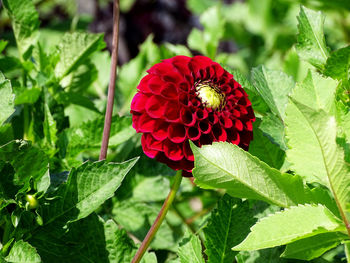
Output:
x=258 y=103
x=49 y=126
x=25 y=21
x=316 y=91
x=224 y=165
x=67 y=98
x=120 y=247
x=74 y=49
x=87 y=74
x=3 y=44
x=176 y=50
x=311 y=44
x=290 y=225
x=137 y=217
x=313 y=151
x=8 y=64
x=227 y=225
x=274 y=87
x=190 y=250
x=29 y=96
x=88 y=186
x=199 y=6
x=338 y=64
x=151 y=189
x=23 y=252
x=44 y=183
x=6 y=99
x=88 y=136
x=266 y=151
x=82 y=241
x=8 y=189
x=271 y=255
x=313 y=247
x=273 y=128
x=207 y=41
x=149 y=257
x=27 y=160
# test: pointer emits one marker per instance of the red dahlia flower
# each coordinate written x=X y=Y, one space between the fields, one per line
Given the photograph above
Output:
x=195 y=99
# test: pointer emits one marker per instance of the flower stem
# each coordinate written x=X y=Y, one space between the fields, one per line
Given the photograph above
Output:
x=111 y=86
x=157 y=223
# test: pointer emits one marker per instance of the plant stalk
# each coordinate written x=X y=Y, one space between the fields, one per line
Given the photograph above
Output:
x=111 y=86
x=157 y=223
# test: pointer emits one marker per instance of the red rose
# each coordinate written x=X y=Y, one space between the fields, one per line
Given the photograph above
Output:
x=195 y=99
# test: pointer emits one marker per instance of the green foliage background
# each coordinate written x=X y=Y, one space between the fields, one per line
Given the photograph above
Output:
x=288 y=197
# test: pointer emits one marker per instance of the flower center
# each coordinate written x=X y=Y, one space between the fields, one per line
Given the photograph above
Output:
x=210 y=96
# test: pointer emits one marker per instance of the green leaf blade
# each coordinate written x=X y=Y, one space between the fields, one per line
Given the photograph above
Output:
x=29 y=162
x=190 y=250
x=88 y=136
x=6 y=99
x=338 y=64
x=313 y=247
x=228 y=225
x=274 y=87
x=88 y=186
x=23 y=252
x=313 y=151
x=290 y=225
x=224 y=165
x=311 y=44
x=25 y=21
x=74 y=49
x=316 y=91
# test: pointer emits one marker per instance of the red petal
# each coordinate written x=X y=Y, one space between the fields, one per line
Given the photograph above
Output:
x=173 y=150
x=161 y=69
x=213 y=118
x=184 y=86
x=135 y=121
x=169 y=91
x=186 y=166
x=219 y=133
x=172 y=112
x=249 y=126
x=226 y=122
x=233 y=136
x=155 y=85
x=187 y=117
x=199 y=62
x=143 y=86
x=202 y=114
x=149 y=152
x=152 y=143
x=238 y=124
x=193 y=133
x=183 y=98
x=138 y=102
x=206 y=139
x=155 y=107
x=204 y=127
x=160 y=131
x=172 y=77
x=181 y=64
x=219 y=71
x=188 y=152
x=146 y=124
x=176 y=133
